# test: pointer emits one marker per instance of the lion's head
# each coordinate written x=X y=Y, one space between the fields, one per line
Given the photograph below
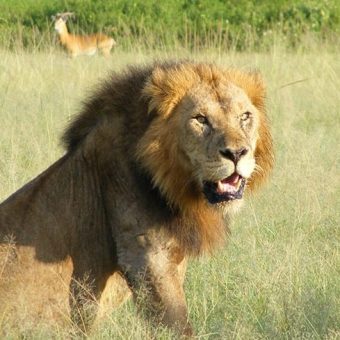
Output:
x=211 y=133
x=210 y=141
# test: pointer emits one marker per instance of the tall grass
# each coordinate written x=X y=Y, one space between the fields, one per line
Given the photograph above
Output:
x=278 y=278
x=189 y=23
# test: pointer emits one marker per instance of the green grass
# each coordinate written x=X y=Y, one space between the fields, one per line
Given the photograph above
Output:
x=278 y=278
x=189 y=23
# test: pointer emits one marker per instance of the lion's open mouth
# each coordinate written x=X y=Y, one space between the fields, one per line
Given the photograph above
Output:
x=227 y=189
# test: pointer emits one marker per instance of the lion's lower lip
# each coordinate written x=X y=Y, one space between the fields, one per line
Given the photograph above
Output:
x=228 y=189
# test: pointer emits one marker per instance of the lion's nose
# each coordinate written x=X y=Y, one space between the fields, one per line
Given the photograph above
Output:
x=233 y=155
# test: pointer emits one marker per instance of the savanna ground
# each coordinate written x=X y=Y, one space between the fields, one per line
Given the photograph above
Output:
x=278 y=277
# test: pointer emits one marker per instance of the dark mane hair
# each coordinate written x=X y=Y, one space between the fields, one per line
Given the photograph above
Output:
x=120 y=93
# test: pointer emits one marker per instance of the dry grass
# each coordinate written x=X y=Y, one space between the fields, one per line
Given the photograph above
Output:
x=279 y=276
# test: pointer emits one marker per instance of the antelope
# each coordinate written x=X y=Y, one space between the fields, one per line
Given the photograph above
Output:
x=77 y=44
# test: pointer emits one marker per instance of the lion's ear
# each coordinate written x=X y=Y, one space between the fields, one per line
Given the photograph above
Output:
x=155 y=92
x=166 y=87
x=257 y=90
x=252 y=83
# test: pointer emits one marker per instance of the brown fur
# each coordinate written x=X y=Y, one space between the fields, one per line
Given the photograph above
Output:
x=126 y=197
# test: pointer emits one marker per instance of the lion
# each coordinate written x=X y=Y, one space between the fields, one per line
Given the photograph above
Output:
x=156 y=165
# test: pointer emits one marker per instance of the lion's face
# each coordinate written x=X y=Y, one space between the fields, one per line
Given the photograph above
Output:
x=210 y=136
x=218 y=131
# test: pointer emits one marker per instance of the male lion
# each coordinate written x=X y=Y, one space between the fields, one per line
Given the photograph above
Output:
x=156 y=164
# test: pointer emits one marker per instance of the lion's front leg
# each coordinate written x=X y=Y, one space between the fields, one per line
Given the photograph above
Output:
x=86 y=287
x=155 y=275
x=85 y=291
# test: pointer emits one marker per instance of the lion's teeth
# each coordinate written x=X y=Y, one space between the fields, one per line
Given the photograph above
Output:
x=221 y=187
x=225 y=187
x=238 y=184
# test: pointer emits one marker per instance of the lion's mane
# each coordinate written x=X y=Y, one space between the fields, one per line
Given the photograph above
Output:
x=151 y=139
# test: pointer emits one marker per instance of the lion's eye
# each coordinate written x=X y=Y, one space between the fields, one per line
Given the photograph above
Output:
x=202 y=120
x=245 y=116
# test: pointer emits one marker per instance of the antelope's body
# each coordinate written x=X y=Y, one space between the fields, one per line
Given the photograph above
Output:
x=82 y=44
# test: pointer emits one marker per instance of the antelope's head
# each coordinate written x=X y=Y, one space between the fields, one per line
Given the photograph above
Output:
x=60 y=21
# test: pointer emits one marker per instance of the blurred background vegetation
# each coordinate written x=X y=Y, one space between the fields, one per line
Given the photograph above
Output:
x=241 y=24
